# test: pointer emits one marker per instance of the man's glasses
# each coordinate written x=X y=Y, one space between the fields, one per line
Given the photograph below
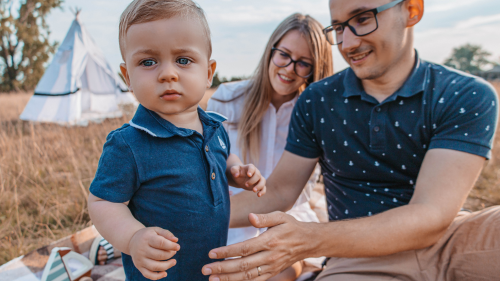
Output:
x=361 y=24
x=282 y=59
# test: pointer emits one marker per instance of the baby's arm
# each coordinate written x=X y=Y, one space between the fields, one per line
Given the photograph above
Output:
x=150 y=248
x=247 y=176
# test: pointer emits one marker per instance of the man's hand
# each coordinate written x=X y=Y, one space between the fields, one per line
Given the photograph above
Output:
x=249 y=178
x=152 y=249
x=276 y=249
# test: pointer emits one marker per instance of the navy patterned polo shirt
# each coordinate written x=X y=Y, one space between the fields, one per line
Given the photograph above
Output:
x=175 y=179
x=370 y=152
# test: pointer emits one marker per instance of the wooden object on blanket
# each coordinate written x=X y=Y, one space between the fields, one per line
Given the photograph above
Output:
x=66 y=265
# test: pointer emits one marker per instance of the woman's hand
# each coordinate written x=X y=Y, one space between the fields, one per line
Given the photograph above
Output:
x=249 y=178
x=284 y=243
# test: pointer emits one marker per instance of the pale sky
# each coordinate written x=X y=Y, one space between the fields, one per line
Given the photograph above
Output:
x=241 y=28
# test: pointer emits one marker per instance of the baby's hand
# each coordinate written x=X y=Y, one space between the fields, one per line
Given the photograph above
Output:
x=151 y=249
x=248 y=177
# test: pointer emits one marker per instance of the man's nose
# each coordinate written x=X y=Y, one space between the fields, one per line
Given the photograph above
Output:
x=350 y=41
x=168 y=73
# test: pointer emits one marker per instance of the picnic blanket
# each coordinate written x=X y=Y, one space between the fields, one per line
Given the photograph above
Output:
x=30 y=266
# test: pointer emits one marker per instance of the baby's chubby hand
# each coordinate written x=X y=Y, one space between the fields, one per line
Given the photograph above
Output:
x=249 y=177
x=151 y=250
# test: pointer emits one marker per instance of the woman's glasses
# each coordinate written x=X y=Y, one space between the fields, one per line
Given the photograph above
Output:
x=361 y=24
x=282 y=59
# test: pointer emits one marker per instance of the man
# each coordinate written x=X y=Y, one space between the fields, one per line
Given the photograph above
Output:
x=401 y=142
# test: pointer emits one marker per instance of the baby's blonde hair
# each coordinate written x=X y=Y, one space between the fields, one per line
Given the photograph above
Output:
x=142 y=11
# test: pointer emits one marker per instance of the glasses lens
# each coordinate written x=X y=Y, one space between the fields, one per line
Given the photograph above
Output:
x=303 y=69
x=281 y=59
x=364 y=23
x=330 y=35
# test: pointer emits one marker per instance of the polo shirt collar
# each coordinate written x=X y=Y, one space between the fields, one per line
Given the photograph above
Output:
x=151 y=123
x=413 y=85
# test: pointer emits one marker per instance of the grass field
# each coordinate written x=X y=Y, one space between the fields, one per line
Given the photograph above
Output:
x=46 y=170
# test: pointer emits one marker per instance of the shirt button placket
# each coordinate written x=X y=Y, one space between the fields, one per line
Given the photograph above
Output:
x=376 y=139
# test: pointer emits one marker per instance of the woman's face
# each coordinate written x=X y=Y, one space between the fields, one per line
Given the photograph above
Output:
x=284 y=80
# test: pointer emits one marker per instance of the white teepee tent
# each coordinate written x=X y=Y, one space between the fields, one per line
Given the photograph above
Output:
x=79 y=85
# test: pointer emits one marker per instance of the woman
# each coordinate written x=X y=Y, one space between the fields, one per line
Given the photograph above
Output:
x=259 y=109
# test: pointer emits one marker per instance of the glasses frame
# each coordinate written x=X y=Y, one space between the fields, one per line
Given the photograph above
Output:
x=375 y=12
x=274 y=49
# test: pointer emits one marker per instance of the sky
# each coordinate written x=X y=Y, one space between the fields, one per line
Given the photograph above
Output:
x=240 y=28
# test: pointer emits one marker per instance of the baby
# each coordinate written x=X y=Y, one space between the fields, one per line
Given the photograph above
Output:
x=161 y=187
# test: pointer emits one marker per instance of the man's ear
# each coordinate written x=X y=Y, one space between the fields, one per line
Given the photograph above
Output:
x=212 y=65
x=415 y=11
x=123 y=69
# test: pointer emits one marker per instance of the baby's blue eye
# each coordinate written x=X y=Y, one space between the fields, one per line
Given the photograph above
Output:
x=183 y=61
x=148 y=62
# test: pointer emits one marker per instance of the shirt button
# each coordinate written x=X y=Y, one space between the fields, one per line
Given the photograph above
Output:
x=206 y=148
x=376 y=129
x=213 y=176
x=378 y=109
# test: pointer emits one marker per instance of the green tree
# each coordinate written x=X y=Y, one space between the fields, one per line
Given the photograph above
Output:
x=216 y=81
x=24 y=42
x=468 y=58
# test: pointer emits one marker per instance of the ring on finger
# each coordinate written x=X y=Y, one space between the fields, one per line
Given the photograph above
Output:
x=259 y=270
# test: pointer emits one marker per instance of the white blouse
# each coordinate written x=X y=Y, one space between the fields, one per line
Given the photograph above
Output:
x=273 y=141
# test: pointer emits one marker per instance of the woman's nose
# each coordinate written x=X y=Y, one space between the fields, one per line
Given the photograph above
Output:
x=290 y=67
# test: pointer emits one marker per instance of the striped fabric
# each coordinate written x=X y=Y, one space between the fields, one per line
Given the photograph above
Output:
x=108 y=247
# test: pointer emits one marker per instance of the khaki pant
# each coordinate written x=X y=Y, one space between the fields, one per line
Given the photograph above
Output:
x=470 y=250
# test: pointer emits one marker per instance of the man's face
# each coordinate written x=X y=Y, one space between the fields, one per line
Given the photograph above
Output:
x=371 y=56
x=167 y=65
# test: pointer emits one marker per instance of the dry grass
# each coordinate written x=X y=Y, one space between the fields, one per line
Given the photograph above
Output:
x=46 y=170
x=486 y=193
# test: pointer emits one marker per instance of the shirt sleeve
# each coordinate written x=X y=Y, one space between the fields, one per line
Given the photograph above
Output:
x=466 y=118
x=116 y=179
x=301 y=137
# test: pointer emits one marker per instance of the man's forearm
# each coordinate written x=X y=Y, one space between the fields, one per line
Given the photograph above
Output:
x=283 y=187
x=245 y=202
x=404 y=228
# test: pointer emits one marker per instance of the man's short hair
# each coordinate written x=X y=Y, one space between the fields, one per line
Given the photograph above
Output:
x=142 y=11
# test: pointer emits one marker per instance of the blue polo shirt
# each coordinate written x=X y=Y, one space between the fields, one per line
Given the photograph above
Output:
x=370 y=152
x=175 y=179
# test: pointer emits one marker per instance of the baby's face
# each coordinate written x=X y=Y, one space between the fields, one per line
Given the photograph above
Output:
x=167 y=65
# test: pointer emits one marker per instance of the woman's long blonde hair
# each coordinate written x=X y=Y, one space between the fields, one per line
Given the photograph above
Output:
x=259 y=92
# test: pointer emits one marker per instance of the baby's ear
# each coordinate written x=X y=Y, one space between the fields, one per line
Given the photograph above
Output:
x=123 y=69
x=212 y=65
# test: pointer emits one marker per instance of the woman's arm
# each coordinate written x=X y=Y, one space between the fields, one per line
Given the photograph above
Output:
x=283 y=188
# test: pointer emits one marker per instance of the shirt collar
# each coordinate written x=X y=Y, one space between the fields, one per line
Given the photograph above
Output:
x=288 y=103
x=151 y=123
x=412 y=86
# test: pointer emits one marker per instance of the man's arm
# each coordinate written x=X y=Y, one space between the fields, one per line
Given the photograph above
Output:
x=445 y=179
x=283 y=188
